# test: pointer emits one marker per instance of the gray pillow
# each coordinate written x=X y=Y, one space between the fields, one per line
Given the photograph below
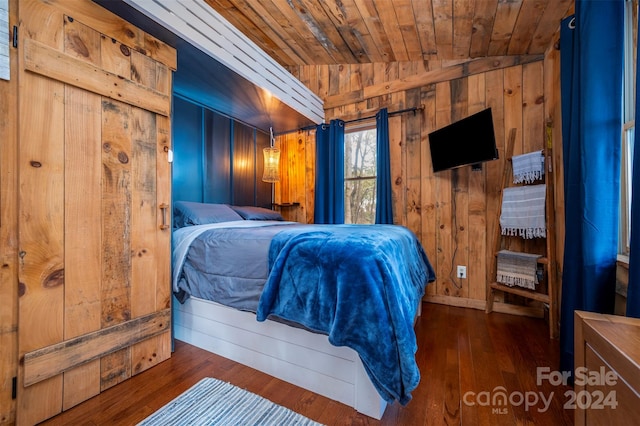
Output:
x=257 y=213
x=188 y=213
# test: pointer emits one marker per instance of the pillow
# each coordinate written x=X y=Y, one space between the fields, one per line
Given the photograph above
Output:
x=188 y=213
x=257 y=213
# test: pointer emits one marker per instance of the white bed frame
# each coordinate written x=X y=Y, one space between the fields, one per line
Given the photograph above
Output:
x=291 y=354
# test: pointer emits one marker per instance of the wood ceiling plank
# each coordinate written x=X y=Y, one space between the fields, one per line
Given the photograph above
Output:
x=443 y=22
x=314 y=32
x=407 y=24
x=463 y=11
x=289 y=22
x=327 y=19
x=246 y=21
x=371 y=19
x=389 y=20
x=423 y=14
x=483 y=20
x=530 y=14
x=356 y=20
x=505 y=21
x=353 y=29
x=549 y=24
x=257 y=13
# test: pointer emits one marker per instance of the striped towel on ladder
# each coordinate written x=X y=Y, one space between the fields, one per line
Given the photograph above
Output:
x=523 y=211
x=527 y=168
x=517 y=269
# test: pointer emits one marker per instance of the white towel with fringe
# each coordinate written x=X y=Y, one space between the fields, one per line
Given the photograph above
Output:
x=523 y=211
x=517 y=269
x=527 y=168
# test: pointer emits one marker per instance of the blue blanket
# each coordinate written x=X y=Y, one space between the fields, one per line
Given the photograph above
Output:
x=359 y=284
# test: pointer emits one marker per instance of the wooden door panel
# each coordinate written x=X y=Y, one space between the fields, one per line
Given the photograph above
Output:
x=51 y=63
x=115 y=57
x=41 y=216
x=116 y=230
x=144 y=260
x=116 y=212
x=82 y=42
x=163 y=239
x=143 y=214
x=41 y=239
x=52 y=360
x=40 y=154
x=94 y=136
x=152 y=170
x=80 y=384
x=83 y=236
x=9 y=232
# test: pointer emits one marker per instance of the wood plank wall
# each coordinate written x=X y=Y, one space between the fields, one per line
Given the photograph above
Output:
x=71 y=282
x=454 y=213
x=9 y=233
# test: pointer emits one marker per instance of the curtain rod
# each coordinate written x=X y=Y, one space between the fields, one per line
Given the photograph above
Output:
x=355 y=120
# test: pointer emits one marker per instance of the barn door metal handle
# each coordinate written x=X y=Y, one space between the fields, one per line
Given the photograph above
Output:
x=164 y=208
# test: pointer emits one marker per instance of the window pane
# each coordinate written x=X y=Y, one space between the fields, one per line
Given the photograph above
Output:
x=625 y=185
x=360 y=154
x=360 y=201
x=629 y=96
x=360 y=176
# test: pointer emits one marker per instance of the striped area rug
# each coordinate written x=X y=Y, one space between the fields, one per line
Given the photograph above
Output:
x=214 y=402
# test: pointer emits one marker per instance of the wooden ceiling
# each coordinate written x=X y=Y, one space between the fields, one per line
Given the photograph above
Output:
x=320 y=32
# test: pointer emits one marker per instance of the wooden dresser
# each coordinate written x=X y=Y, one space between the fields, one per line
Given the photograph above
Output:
x=607 y=370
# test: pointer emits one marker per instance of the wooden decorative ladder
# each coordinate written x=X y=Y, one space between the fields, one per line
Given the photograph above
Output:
x=548 y=260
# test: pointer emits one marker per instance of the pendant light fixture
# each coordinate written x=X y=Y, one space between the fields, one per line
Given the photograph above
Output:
x=271 y=162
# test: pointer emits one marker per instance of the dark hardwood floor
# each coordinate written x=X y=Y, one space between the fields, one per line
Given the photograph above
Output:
x=466 y=358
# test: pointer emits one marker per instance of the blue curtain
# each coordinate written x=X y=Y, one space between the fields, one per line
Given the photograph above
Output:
x=591 y=90
x=329 y=190
x=384 y=209
x=633 y=290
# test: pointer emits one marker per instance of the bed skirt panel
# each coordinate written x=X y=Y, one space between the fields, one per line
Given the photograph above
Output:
x=291 y=354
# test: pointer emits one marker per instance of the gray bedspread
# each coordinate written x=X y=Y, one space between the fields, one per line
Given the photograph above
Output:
x=224 y=262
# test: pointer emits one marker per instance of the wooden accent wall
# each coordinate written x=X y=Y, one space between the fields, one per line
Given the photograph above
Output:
x=9 y=232
x=297 y=175
x=454 y=213
x=85 y=276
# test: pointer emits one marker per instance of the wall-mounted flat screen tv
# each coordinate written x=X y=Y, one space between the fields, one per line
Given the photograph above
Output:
x=469 y=141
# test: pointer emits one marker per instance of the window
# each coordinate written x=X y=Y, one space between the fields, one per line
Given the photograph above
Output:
x=360 y=173
x=628 y=130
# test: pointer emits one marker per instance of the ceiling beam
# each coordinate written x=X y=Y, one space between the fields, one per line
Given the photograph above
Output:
x=453 y=72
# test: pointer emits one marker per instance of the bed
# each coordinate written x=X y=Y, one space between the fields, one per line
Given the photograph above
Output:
x=329 y=308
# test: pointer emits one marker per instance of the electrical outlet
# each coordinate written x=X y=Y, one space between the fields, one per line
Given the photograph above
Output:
x=462 y=271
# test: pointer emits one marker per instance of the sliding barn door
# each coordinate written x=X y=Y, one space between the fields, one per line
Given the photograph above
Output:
x=94 y=181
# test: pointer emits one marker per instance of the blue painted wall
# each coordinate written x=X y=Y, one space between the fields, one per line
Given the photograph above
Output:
x=216 y=158
x=187 y=151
